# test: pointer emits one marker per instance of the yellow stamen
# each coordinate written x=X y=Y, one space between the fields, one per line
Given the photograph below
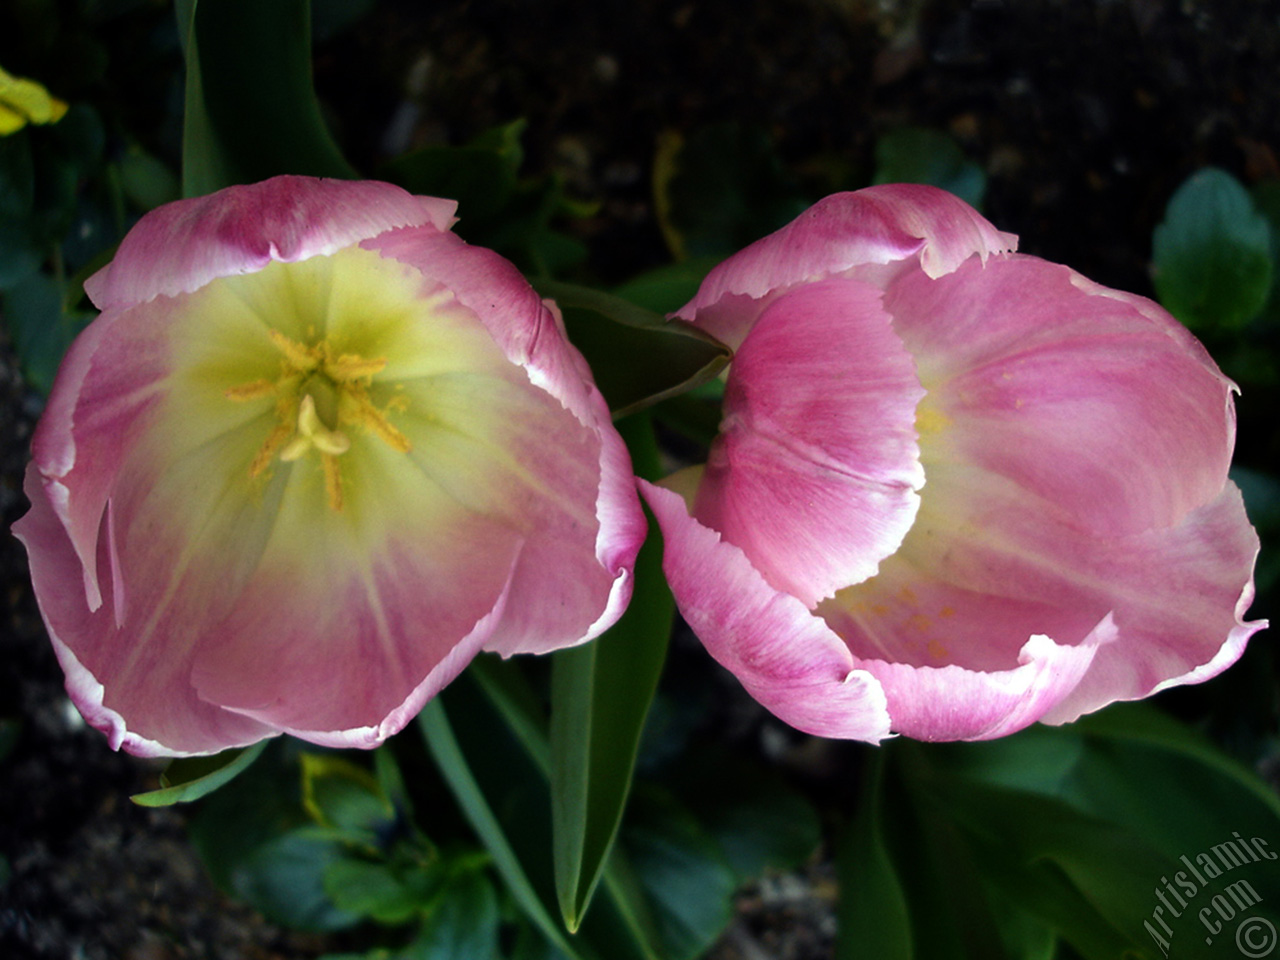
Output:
x=252 y=390
x=332 y=481
x=299 y=355
x=350 y=367
x=276 y=439
x=356 y=407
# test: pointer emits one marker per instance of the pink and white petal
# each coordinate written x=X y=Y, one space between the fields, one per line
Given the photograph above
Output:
x=147 y=708
x=815 y=469
x=335 y=650
x=183 y=245
x=528 y=332
x=784 y=656
x=505 y=449
x=531 y=336
x=952 y=703
x=100 y=403
x=843 y=232
x=1180 y=598
x=1105 y=410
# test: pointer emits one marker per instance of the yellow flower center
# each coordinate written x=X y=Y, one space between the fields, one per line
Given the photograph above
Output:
x=320 y=395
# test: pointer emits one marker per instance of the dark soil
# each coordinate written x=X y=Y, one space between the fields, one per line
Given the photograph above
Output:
x=1085 y=114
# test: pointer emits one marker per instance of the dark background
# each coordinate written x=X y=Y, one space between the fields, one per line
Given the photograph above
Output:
x=1084 y=114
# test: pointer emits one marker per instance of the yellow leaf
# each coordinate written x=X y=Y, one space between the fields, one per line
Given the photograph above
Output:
x=24 y=101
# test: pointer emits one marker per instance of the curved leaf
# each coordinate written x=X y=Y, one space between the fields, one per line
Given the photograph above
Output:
x=191 y=778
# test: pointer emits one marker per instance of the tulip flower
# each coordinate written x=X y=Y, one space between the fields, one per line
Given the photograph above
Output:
x=313 y=456
x=955 y=490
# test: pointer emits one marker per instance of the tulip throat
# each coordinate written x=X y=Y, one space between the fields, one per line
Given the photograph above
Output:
x=320 y=395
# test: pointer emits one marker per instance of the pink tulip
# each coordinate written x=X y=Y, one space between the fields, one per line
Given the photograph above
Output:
x=955 y=490
x=315 y=454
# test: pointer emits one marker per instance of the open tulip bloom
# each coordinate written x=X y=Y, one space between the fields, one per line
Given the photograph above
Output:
x=314 y=455
x=955 y=490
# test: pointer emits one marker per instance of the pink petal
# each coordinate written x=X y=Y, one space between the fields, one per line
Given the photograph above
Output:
x=952 y=703
x=839 y=234
x=1181 y=595
x=366 y=636
x=552 y=584
x=784 y=656
x=814 y=473
x=166 y=719
x=183 y=245
x=76 y=444
x=1102 y=405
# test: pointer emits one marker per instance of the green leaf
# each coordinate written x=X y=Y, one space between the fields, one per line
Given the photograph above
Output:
x=636 y=356
x=918 y=155
x=388 y=892
x=481 y=176
x=462 y=924
x=342 y=796
x=1129 y=806
x=873 y=914
x=682 y=871
x=284 y=880
x=1212 y=254
x=188 y=779
x=1266 y=197
x=443 y=745
x=251 y=111
x=146 y=180
x=40 y=328
x=720 y=189
x=667 y=288
x=600 y=697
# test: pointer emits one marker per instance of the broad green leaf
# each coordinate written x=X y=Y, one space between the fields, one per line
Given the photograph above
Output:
x=481 y=176
x=667 y=288
x=146 y=180
x=445 y=749
x=620 y=925
x=1089 y=879
x=600 y=697
x=251 y=109
x=1266 y=198
x=1128 y=807
x=1262 y=501
x=41 y=329
x=462 y=924
x=191 y=778
x=284 y=880
x=257 y=807
x=386 y=891
x=636 y=356
x=344 y=797
x=721 y=188
x=873 y=913
x=918 y=155
x=19 y=251
x=682 y=871
x=1212 y=254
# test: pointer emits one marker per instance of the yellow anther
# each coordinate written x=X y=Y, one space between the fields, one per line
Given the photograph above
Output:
x=252 y=390
x=299 y=355
x=351 y=366
x=332 y=480
x=267 y=452
x=356 y=407
x=319 y=393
